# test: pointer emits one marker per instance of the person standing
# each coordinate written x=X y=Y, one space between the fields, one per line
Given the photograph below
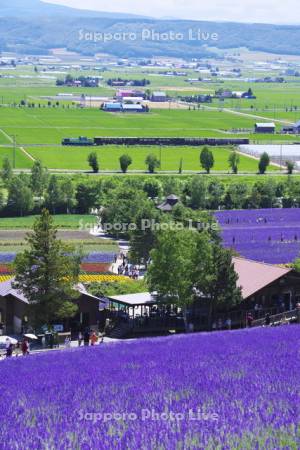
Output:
x=25 y=347
x=94 y=339
x=9 y=348
x=267 y=320
x=249 y=320
x=80 y=339
x=228 y=323
x=86 y=338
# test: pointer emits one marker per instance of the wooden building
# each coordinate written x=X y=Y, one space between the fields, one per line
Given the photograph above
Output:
x=14 y=309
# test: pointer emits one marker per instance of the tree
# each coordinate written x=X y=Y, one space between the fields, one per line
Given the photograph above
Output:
x=125 y=162
x=172 y=270
x=234 y=160
x=198 y=193
x=67 y=195
x=236 y=196
x=122 y=209
x=38 y=178
x=153 y=188
x=215 y=194
x=46 y=273
x=152 y=162
x=180 y=166
x=93 y=162
x=290 y=165
x=53 y=195
x=207 y=159
x=263 y=163
x=20 y=198
x=142 y=238
x=85 y=197
x=221 y=282
x=6 y=173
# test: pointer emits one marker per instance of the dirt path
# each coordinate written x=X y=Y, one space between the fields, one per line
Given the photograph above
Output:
x=254 y=116
x=28 y=155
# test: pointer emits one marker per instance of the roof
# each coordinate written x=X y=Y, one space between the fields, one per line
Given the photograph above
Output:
x=6 y=289
x=297 y=124
x=112 y=105
x=165 y=207
x=135 y=107
x=172 y=197
x=266 y=125
x=159 y=94
x=144 y=298
x=254 y=276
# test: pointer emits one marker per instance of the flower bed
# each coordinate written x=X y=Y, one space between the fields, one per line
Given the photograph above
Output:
x=267 y=235
x=84 y=278
x=224 y=390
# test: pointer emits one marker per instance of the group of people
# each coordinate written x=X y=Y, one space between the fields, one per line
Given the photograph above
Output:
x=20 y=348
x=127 y=269
x=88 y=338
x=220 y=325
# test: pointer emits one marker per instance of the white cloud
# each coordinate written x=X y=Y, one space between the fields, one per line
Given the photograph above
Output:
x=268 y=11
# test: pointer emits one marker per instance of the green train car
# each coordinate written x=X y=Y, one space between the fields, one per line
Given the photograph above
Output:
x=81 y=141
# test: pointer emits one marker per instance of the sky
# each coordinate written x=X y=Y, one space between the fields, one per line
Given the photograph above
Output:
x=266 y=11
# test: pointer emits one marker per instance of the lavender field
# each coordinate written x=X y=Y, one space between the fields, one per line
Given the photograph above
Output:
x=225 y=390
x=267 y=235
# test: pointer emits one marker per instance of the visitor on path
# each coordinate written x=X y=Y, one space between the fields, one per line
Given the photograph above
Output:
x=25 y=347
x=68 y=342
x=86 y=338
x=228 y=323
x=9 y=348
x=80 y=339
x=214 y=326
x=220 y=324
x=51 y=341
x=267 y=320
x=94 y=339
x=249 y=320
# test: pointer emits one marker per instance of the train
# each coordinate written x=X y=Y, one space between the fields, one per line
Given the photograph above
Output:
x=153 y=141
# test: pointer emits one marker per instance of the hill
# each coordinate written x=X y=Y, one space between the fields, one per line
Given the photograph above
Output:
x=38 y=8
x=222 y=390
x=32 y=26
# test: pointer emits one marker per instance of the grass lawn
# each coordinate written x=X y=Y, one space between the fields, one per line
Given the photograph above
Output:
x=49 y=126
x=22 y=161
x=62 y=221
x=75 y=158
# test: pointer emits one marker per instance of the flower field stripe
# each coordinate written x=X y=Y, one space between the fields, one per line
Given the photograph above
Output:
x=212 y=391
x=267 y=235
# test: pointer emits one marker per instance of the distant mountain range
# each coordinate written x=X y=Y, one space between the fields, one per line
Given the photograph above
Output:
x=35 y=27
x=38 y=8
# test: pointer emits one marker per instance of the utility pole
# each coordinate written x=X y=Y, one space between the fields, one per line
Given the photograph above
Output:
x=160 y=155
x=14 y=150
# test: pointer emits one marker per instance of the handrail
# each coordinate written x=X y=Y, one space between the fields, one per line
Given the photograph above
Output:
x=288 y=315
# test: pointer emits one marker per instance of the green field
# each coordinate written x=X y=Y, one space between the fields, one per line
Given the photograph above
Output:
x=22 y=160
x=62 y=221
x=50 y=125
x=75 y=158
x=39 y=130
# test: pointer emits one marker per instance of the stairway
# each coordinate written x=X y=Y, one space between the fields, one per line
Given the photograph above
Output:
x=120 y=331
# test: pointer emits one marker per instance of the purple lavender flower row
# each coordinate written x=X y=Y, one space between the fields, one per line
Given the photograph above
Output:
x=245 y=385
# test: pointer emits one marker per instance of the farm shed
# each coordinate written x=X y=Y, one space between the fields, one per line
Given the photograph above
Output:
x=13 y=308
x=265 y=128
x=159 y=96
x=112 y=107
